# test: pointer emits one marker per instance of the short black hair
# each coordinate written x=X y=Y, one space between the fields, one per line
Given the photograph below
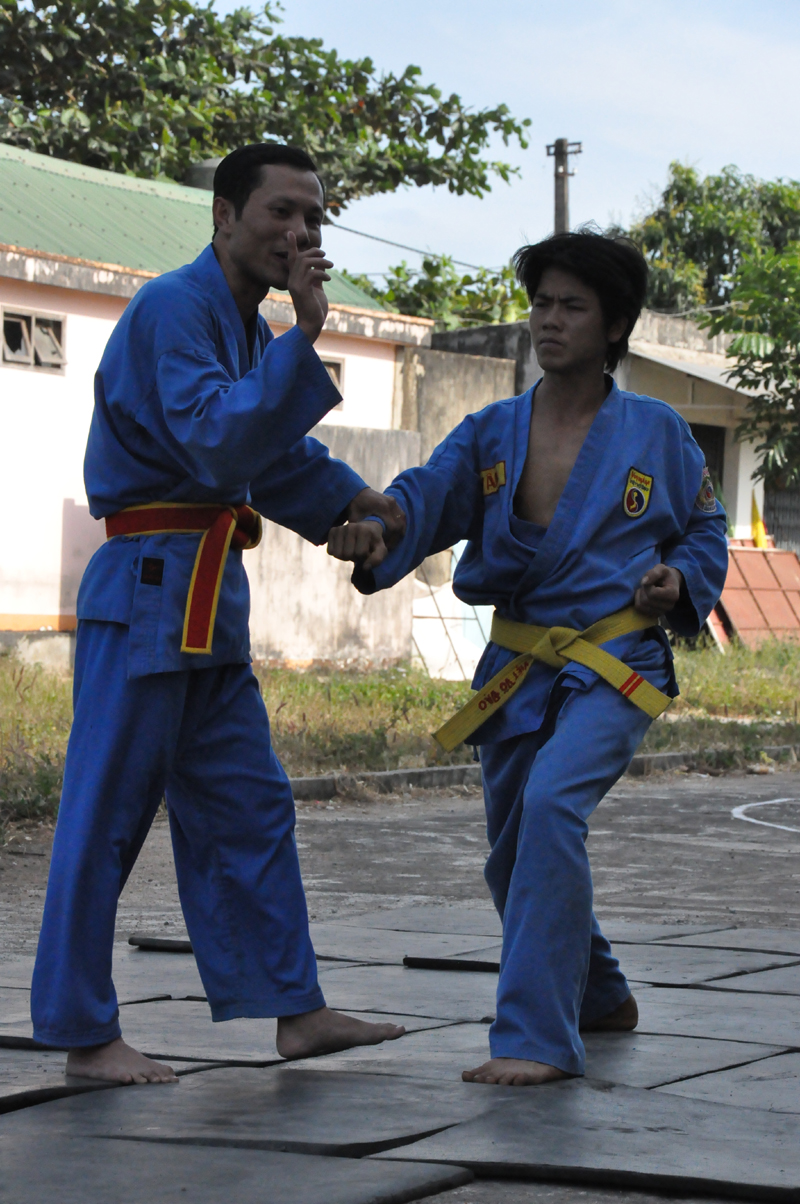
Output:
x=612 y=266
x=239 y=173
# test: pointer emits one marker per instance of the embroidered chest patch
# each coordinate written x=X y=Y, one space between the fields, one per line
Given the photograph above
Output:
x=636 y=498
x=706 y=499
x=493 y=478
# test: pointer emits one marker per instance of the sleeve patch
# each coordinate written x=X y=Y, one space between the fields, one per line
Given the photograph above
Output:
x=706 y=499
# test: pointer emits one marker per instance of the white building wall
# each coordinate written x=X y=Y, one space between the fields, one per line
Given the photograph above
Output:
x=368 y=378
x=47 y=534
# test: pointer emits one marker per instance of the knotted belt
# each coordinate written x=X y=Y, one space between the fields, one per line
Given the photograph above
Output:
x=221 y=527
x=555 y=646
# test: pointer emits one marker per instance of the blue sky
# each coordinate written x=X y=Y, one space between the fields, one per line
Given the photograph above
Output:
x=709 y=82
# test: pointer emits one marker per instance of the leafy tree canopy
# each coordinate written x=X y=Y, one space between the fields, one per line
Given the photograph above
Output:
x=764 y=318
x=437 y=290
x=702 y=227
x=148 y=87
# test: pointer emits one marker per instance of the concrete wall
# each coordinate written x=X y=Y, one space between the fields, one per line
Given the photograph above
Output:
x=47 y=535
x=303 y=607
x=436 y=389
x=509 y=341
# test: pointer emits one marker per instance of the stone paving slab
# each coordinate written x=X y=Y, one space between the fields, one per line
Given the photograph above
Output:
x=137 y=974
x=590 y=1132
x=435 y=993
x=635 y=1059
x=771 y=1086
x=469 y=921
x=759 y=940
x=15 y=1003
x=721 y=1015
x=383 y=946
x=95 y=1171
x=34 y=1076
x=182 y=1029
x=484 y=922
x=784 y=981
x=655 y=963
x=295 y=1111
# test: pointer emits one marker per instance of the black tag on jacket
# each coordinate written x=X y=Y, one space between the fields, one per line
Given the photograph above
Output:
x=152 y=570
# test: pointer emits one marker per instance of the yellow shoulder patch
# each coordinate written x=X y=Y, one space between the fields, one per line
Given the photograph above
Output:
x=636 y=498
x=493 y=478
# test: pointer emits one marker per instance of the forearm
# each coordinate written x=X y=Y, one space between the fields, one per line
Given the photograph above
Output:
x=234 y=430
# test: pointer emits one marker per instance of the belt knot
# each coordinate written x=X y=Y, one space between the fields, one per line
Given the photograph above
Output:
x=553 y=643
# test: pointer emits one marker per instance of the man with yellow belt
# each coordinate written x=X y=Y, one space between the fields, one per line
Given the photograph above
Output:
x=199 y=427
x=589 y=514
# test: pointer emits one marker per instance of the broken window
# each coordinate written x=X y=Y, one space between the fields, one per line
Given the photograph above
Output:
x=34 y=340
x=335 y=370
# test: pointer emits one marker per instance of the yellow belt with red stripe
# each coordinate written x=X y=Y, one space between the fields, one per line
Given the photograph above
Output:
x=555 y=646
x=222 y=527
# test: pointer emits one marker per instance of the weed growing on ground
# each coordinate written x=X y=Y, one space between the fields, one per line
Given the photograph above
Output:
x=35 y=718
x=329 y=720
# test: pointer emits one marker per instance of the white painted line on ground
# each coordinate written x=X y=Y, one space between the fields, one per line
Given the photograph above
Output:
x=741 y=813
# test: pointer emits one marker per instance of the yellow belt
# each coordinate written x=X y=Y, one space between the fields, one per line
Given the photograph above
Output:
x=555 y=646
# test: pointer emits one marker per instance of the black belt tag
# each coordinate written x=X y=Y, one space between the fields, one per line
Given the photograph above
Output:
x=152 y=570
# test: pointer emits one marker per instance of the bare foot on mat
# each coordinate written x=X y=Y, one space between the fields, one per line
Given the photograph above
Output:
x=514 y=1072
x=622 y=1020
x=116 y=1062
x=325 y=1031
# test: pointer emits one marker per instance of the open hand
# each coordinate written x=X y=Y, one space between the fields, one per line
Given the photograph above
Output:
x=658 y=592
x=307 y=274
x=361 y=542
x=368 y=502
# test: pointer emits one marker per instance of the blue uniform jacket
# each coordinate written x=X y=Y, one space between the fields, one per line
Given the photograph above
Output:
x=591 y=558
x=184 y=412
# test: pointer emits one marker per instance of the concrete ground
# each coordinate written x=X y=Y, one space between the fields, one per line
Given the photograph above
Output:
x=663 y=849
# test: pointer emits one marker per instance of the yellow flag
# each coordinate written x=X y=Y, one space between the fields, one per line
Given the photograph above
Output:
x=759 y=531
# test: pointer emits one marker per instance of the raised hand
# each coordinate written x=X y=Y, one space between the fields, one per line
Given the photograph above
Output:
x=361 y=542
x=307 y=274
x=659 y=591
x=368 y=502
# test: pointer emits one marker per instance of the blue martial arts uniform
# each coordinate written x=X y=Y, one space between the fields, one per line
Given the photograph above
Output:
x=637 y=496
x=189 y=407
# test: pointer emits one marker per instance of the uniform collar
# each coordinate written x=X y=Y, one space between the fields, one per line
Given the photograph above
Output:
x=211 y=275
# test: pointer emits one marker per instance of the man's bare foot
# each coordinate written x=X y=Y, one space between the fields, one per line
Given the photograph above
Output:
x=514 y=1072
x=622 y=1020
x=116 y=1062
x=325 y=1031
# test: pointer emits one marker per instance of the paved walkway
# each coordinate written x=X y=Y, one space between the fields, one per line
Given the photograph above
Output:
x=704 y=907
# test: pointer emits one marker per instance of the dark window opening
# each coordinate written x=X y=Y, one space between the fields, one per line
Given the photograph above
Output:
x=33 y=340
x=335 y=370
x=711 y=440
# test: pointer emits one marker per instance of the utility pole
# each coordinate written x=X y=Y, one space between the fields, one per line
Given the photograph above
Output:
x=560 y=150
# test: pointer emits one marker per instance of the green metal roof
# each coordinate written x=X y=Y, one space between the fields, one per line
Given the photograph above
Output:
x=61 y=208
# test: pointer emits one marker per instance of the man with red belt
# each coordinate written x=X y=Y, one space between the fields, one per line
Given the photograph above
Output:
x=199 y=428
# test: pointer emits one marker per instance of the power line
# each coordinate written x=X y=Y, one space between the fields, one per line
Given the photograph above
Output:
x=390 y=242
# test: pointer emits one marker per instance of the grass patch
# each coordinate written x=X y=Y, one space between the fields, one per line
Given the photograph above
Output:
x=327 y=721
x=349 y=721
x=35 y=718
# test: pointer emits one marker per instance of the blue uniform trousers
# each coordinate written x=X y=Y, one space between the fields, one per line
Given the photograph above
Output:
x=201 y=737
x=540 y=788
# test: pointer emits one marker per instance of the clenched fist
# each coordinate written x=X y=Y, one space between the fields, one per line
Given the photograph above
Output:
x=658 y=592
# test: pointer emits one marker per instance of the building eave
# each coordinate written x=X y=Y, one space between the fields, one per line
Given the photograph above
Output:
x=113 y=279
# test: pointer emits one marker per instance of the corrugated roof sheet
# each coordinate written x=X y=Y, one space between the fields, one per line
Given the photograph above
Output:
x=61 y=208
x=761 y=599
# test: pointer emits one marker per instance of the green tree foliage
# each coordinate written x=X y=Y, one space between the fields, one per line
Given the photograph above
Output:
x=149 y=86
x=764 y=318
x=702 y=227
x=437 y=290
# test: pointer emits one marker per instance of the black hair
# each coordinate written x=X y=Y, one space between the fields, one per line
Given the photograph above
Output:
x=613 y=267
x=239 y=173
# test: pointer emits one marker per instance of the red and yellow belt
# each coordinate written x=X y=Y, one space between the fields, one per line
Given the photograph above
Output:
x=555 y=646
x=222 y=527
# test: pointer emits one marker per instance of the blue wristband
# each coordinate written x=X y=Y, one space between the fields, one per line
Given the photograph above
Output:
x=373 y=518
